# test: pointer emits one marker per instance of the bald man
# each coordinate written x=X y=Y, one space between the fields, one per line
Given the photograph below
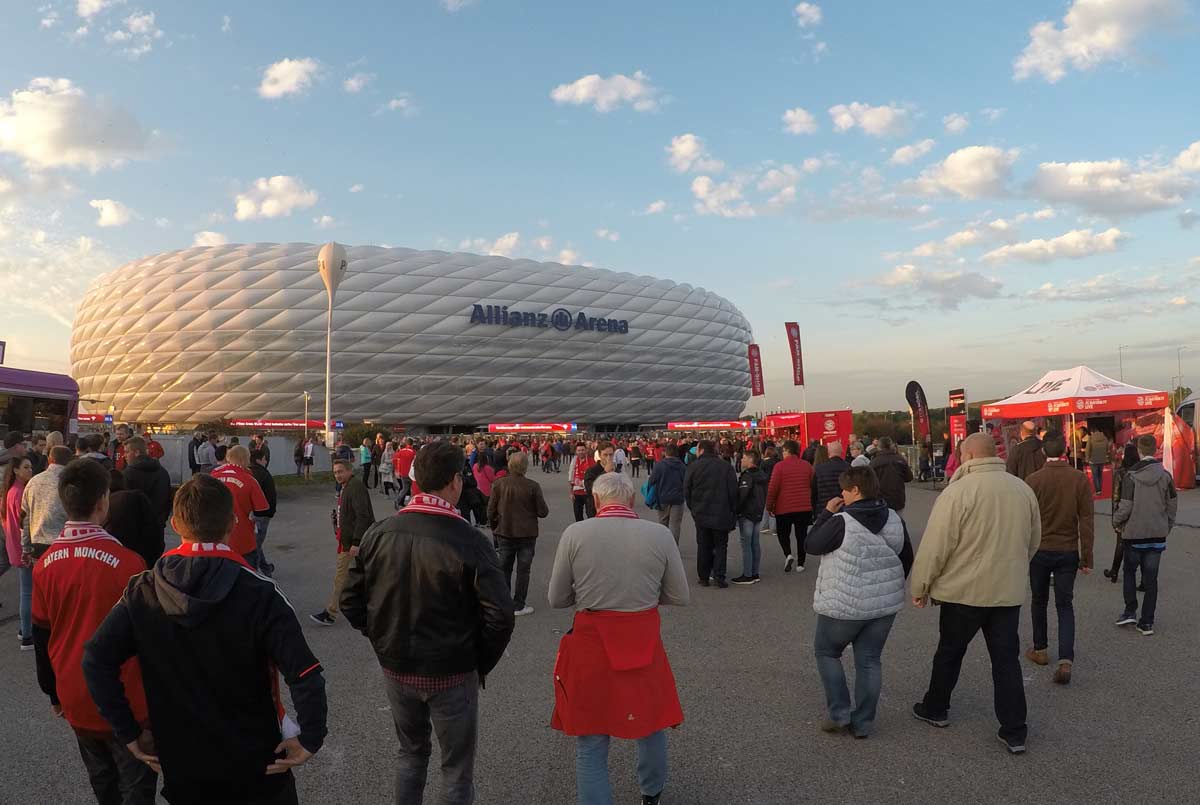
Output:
x=974 y=561
x=1027 y=457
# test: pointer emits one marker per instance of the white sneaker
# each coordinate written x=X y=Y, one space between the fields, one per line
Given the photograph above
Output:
x=528 y=610
x=799 y=568
x=789 y=564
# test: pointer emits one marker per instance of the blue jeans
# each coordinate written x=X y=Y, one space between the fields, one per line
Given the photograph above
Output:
x=751 y=547
x=1147 y=560
x=1098 y=477
x=868 y=637
x=591 y=767
x=1063 y=565
x=261 y=524
x=25 y=579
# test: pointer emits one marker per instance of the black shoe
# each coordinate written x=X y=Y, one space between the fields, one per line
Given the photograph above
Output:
x=652 y=800
x=722 y=584
x=921 y=713
x=745 y=580
x=323 y=618
x=705 y=583
x=1141 y=588
x=1015 y=746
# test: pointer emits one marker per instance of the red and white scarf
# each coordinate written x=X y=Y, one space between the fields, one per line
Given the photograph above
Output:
x=425 y=503
x=77 y=531
x=617 y=510
x=581 y=467
x=213 y=550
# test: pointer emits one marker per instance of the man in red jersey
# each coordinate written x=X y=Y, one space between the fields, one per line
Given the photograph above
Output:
x=402 y=462
x=76 y=583
x=248 y=499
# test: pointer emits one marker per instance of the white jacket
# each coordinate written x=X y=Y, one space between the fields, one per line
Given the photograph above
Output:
x=864 y=577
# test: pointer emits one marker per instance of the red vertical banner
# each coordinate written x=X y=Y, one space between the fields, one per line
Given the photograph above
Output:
x=793 y=333
x=756 y=374
x=958 y=428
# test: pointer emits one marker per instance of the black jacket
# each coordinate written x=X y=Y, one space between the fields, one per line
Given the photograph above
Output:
x=428 y=591
x=266 y=482
x=355 y=514
x=825 y=484
x=589 y=479
x=752 y=494
x=710 y=489
x=768 y=467
x=208 y=634
x=193 y=464
x=150 y=477
x=667 y=479
x=133 y=520
x=893 y=473
x=828 y=532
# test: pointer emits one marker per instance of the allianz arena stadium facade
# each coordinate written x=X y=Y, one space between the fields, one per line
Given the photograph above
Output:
x=421 y=338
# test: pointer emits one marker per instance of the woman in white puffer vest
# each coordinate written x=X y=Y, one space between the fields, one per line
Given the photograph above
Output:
x=866 y=556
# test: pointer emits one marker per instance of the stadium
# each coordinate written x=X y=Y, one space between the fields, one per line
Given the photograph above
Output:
x=421 y=339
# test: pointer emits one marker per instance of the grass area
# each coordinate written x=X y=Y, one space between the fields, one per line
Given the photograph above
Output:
x=318 y=479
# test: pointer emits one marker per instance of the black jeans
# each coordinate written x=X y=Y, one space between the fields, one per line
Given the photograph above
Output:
x=278 y=789
x=579 y=503
x=712 y=546
x=1063 y=566
x=958 y=625
x=518 y=552
x=783 y=530
x=117 y=777
x=1147 y=561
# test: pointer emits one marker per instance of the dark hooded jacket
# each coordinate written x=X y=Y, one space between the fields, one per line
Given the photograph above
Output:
x=828 y=531
x=893 y=473
x=146 y=474
x=212 y=638
x=752 y=494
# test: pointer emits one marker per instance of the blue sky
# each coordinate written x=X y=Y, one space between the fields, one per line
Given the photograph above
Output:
x=932 y=191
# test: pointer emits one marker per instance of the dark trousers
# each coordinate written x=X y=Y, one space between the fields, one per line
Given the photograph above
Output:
x=783 y=530
x=958 y=625
x=117 y=777
x=579 y=503
x=518 y=552
x=454 y=715
x=1118 y=557
x=277 y=789
x=1147 y=561
x=712 y=545
x=1098 y=477
x=1063 y=567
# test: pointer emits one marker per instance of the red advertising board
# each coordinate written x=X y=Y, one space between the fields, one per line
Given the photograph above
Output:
x=824 y=426
x=532 y=427
x=741 y=424
x=958 y=428
x=277 y=424
x=793 y=333
x=756 y=374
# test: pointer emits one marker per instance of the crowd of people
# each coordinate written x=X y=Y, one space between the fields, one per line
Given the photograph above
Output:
x=169 y=662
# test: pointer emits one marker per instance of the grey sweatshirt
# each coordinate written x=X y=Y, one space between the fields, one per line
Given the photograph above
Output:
x=617 y=564
x=1148 y=504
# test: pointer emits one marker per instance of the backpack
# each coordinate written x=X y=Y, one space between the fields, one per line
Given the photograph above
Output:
x=650 y=494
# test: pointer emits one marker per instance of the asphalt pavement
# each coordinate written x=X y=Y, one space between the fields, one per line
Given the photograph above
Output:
x=1124 y=731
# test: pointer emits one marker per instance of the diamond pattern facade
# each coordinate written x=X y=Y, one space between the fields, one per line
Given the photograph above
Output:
x=239 y=331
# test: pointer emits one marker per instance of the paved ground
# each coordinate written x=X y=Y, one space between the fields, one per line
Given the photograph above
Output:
x=1124 y=731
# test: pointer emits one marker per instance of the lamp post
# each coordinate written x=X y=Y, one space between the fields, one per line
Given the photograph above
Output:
x=331 y=264
x=1179 y=367
x=1121 y=360
x=307 y=397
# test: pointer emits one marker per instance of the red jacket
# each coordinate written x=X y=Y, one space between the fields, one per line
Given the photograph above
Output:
x=790 y=489
x=612 y=677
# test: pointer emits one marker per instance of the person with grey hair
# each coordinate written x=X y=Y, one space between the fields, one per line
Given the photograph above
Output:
x=513 y=510
x=858 y=456
x=612 y=677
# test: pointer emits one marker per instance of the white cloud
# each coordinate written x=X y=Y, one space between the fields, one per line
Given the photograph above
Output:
x=1075 y=244
x=972 y=172
x=356 y=188
x=799 y=121
x=50 y=19
x=112 y=213
x=1178 y=301
x=812 y=165
x=608 y=234
x=687 y=153
x=720 y=198
x=544 y=242
x=1115 y=187
x=877 y=121
x=162 y=223
x=956 y=123
x=138 y=35
x=992 y=113
x=1111 y=287
x=53 y=123
x=207 y=238
x=807 y=15
x=1189 y=218
x=226 y=24
x=503 y=246
x=655 y=207
x=1092 y=32
x=1044 y=214
x=275 y=197
x=945 y=289
x=288 y=77
x=357 y=82
x=90 y=8
x=1189 y=158
x=454 y=6
x=324 y=221
x=402 y=103
x=907 y=154
x=568 y=257
x=998 y=230
x=607 y=94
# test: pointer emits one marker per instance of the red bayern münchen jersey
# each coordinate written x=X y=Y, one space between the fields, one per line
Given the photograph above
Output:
x=248 y=498
x=76 y=583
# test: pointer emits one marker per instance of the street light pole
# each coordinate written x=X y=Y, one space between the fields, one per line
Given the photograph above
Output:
x=331 y=263
x=1121 y=360
x=1179 y=364
x=306 y=398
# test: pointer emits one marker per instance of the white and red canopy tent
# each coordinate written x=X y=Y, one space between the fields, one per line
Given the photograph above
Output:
x=1075 y=391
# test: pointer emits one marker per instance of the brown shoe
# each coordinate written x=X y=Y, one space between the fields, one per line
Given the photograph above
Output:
x=1038 y=656
x=1062 y=676
x=831 y=726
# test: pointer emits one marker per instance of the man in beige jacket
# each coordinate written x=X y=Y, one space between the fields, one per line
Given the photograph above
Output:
x=974 y=561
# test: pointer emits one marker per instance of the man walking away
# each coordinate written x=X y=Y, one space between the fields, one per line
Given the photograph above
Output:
x=860 y=588
x=826 y=475
x=1068 y=531
x=1028 y=456
x=514 y=508
x=576 y=472
x=426 y=589
x=1146 y=515
x=211 y=636
x=352 y=516
x=751 y=503
x=710 y=490
x=248 y=500
x=789 y=500
x=262 y=520
x=75 y=585
x=974 y=561
x=667 y=480
x=145 y=473
x=1098 y=457
x=612 y=678
x=893 y=473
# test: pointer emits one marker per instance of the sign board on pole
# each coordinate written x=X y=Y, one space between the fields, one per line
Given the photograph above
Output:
x=793 y=333
x=533 y=427
x=756 y=373
x=919 y=405
x=958 y=401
